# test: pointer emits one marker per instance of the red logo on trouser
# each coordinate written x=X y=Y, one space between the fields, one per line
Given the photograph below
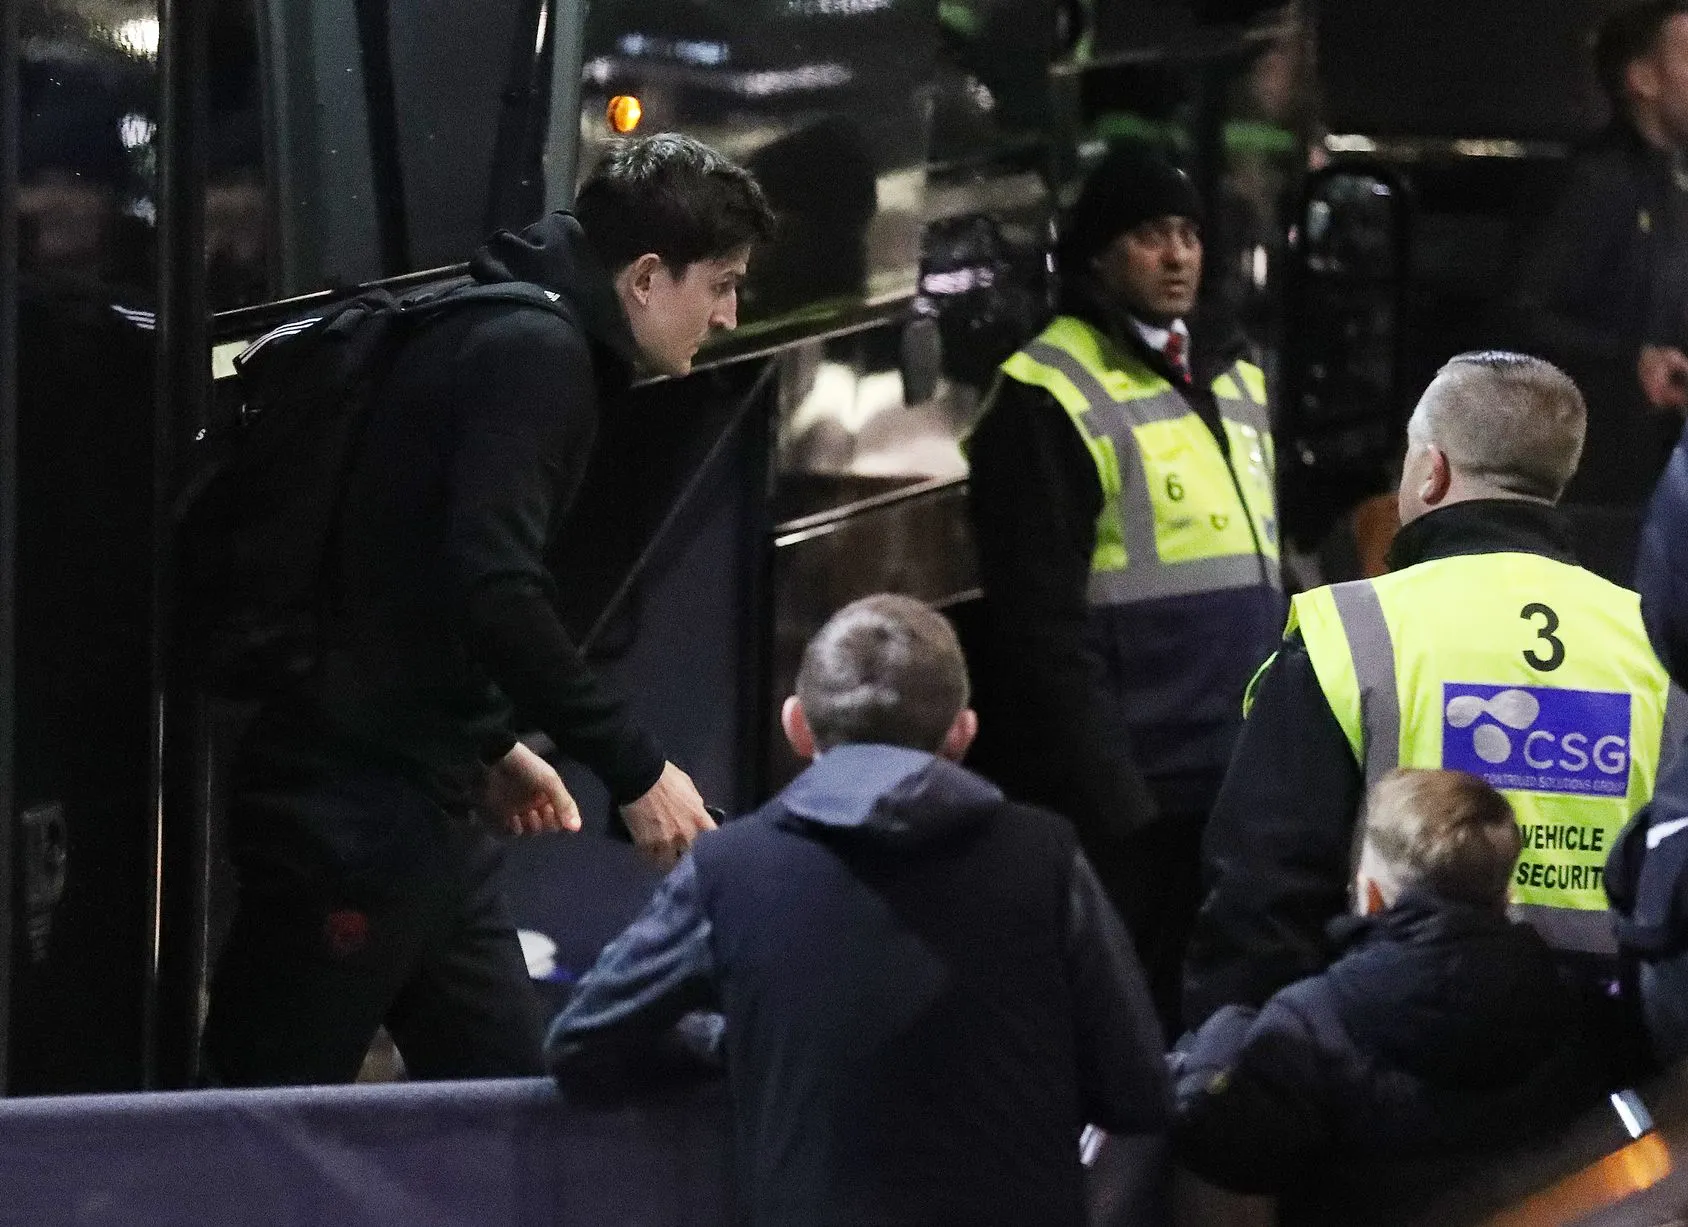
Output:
x=346 y=931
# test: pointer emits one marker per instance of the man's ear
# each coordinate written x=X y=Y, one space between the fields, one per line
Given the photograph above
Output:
x=1370 y=896
x=798 y=735
x=636 y=279
x=962 y=730
x=1641 y=78
x=1438 y=479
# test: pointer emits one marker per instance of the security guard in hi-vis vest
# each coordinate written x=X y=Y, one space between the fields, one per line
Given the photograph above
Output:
x=1123 y=501
x=1487 y=649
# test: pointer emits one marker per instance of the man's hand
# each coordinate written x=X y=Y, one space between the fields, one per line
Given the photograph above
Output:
x=525 y=795
x=666 y=819
x=1663 y=371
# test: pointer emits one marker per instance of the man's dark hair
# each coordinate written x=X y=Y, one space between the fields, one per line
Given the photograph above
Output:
x=1627 y=36
x=670 y=195
x=885 y=669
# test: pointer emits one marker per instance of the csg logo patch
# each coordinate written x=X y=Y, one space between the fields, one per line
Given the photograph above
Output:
x=1538 y=739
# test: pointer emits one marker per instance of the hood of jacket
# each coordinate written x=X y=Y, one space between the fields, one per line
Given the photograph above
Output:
x=886 y=794
x=1450 y=993
x=554 y=253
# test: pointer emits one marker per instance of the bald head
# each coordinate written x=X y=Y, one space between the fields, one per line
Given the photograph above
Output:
x=1492 y=425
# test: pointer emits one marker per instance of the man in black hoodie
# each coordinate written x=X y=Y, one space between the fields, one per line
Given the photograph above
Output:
x=926 y=993
x=1123 y=500
x=367 y=891
x=1603 y=289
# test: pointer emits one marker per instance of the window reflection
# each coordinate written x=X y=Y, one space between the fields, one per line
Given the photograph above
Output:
x=85 y=360
x=846 y=433
x=347 y=142
x=86 y=156
x=1236 y=119
x=239 y=262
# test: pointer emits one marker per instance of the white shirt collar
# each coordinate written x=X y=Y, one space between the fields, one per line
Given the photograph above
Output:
x=1155 y=338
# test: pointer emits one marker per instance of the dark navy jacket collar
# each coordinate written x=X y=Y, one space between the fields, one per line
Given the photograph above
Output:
x=1415 y=918
x=899 y=794
x=1484 y=526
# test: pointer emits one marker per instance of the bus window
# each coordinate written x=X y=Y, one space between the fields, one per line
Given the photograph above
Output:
x=351 y=142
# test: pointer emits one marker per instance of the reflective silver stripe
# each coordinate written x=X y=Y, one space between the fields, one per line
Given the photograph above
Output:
x=1565 y=928
x=1164 y=405
x=1137 y=530
x=1373 y=652
x=1158 y=579
x=1143 y=567
x=1077 y=373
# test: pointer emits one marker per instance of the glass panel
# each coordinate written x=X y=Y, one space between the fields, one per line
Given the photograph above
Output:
x=85 y=412
x=452 y=66
x=808 y=95
x=992 y=86
x=1261 y=170
x=241 y=250
x=354 y=141
x=1234 y=120
x=845 y=433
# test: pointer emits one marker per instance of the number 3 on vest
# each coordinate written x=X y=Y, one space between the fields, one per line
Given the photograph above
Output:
x=1556 y=646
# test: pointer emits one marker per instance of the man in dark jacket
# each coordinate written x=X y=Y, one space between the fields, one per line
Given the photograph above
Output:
x=1603 y=289
x=1483 y=598
x=367 y=892
x=1647 y=872
x=1442 y=1027
x=1661 y=569
x=1123 y=501
x=926 y=994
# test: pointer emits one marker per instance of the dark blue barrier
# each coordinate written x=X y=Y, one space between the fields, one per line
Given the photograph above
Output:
x=498 y=1154
x=517 y=1154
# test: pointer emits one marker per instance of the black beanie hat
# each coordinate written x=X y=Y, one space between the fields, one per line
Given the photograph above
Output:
x=1131 y=185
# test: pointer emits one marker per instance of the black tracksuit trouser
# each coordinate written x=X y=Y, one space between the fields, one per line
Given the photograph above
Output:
x=363 y=902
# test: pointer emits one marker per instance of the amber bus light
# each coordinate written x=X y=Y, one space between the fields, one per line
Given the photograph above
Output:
x=624 y=112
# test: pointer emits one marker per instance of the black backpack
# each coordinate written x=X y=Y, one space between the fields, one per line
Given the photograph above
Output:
x=256 y=523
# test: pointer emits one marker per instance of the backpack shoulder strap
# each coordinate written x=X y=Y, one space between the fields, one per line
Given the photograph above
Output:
x=516 y=293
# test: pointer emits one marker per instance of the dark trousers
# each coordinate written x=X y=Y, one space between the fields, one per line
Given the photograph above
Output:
x=1165 y=875
x=341 y=927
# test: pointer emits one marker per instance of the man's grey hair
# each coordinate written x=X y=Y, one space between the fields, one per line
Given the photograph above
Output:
x=1510 y=420
x=885 y=669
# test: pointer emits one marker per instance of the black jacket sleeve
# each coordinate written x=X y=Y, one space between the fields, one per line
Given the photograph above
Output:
x=1276 y=852
x=1592 y=218
x=1122 y=1074
x=1257 y=1096
x=517 y=445
x=1035 y=498
x=616 y=1029
x=1661 y=569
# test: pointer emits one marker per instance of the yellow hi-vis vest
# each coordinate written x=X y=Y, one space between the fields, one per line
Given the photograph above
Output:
x=1533 y=674
x=1176 y=517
